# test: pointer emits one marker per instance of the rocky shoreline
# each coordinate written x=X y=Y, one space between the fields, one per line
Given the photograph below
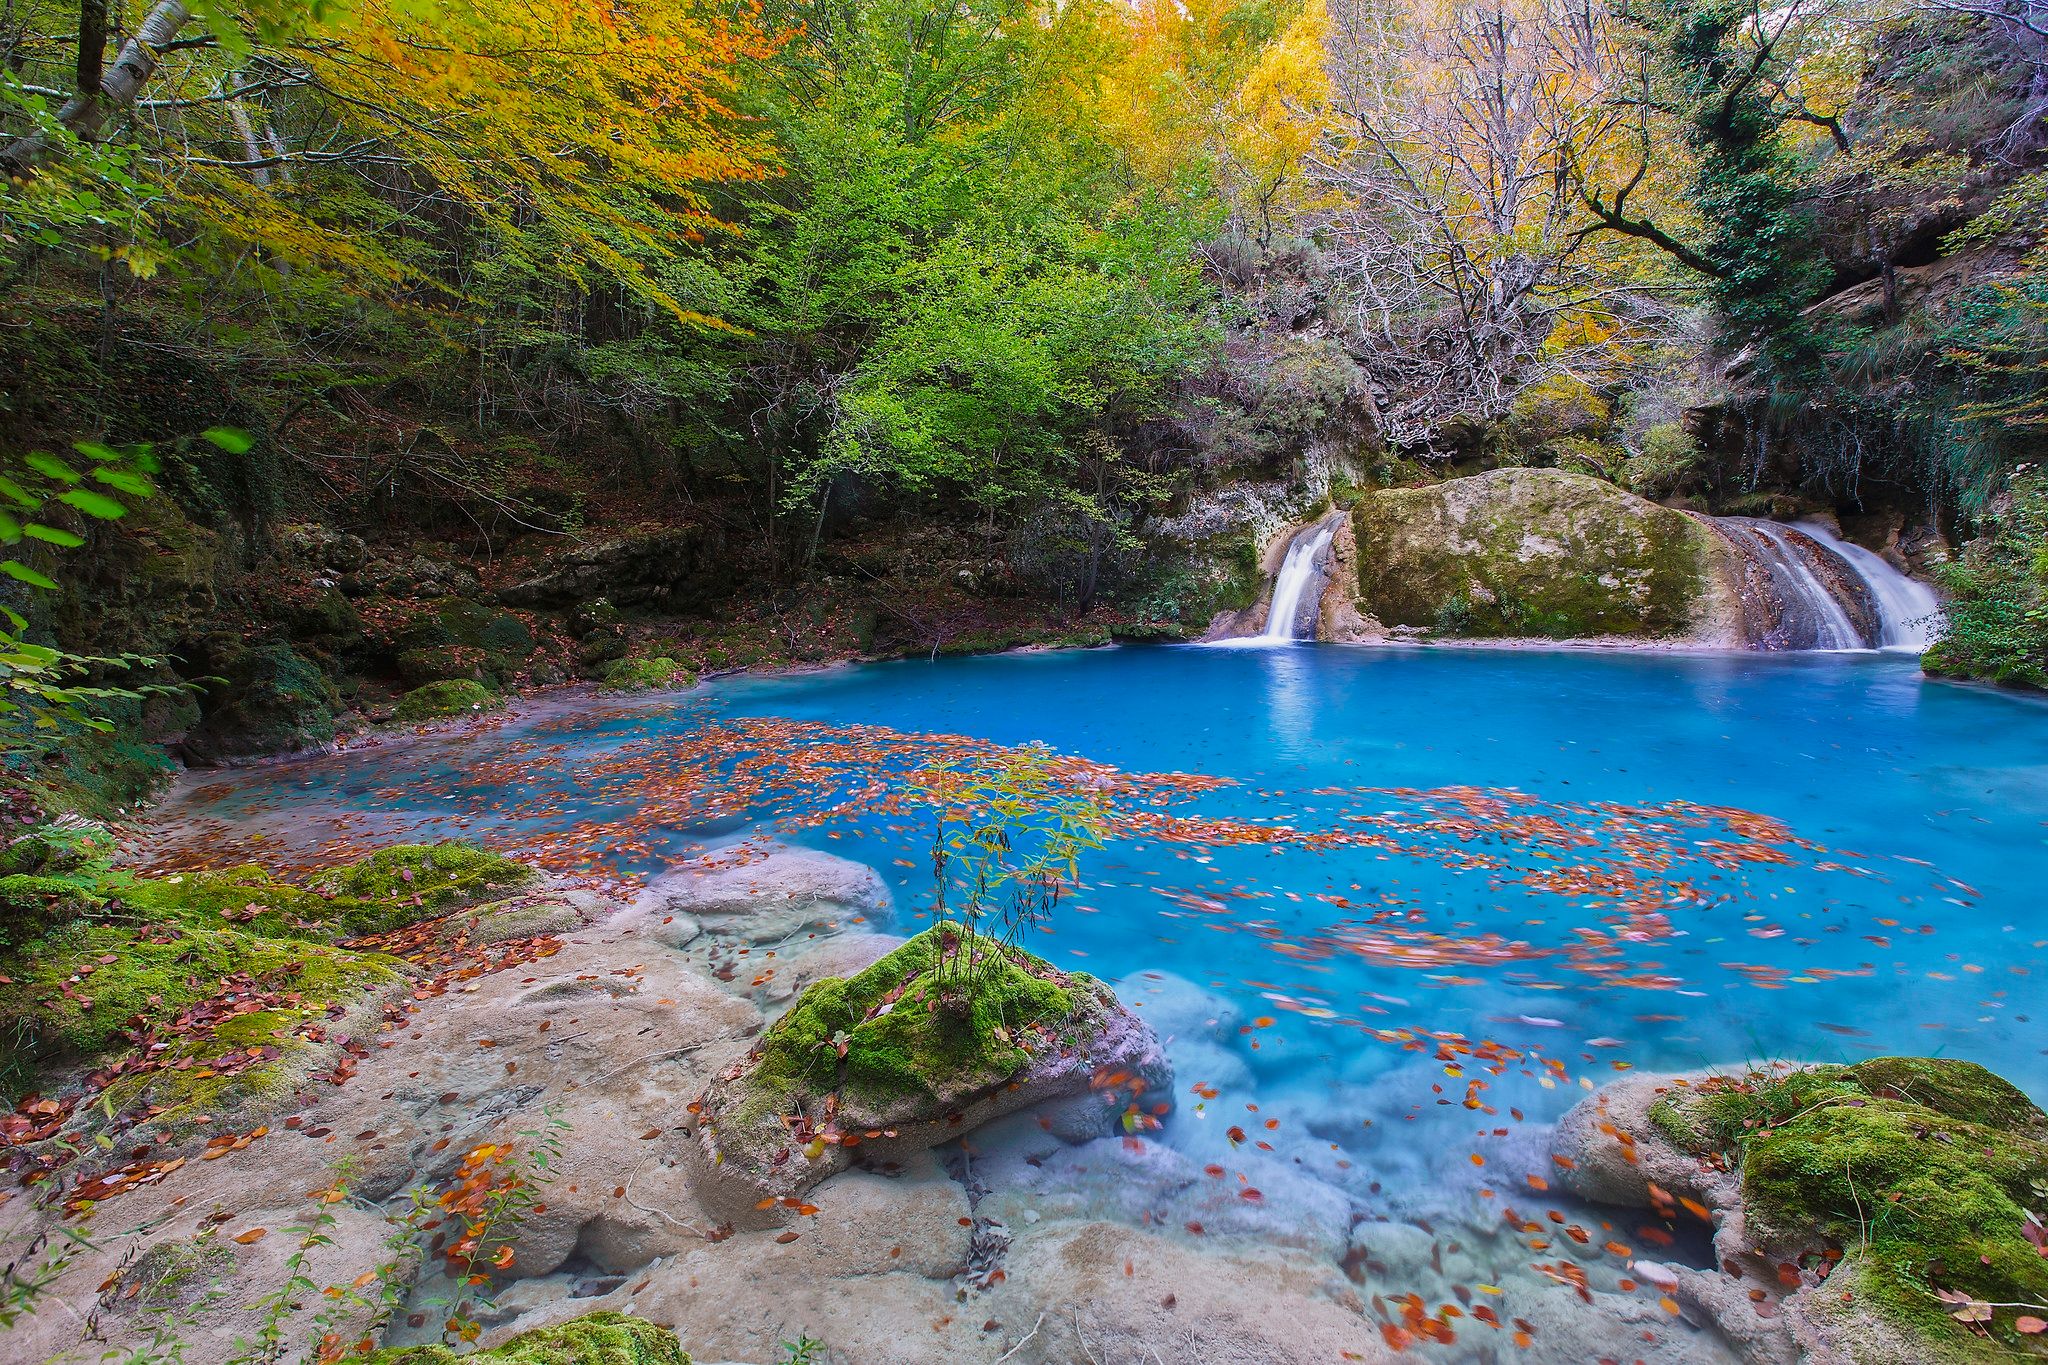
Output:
x=580 y=1071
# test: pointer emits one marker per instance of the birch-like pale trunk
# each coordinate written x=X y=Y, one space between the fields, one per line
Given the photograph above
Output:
x=85 y=113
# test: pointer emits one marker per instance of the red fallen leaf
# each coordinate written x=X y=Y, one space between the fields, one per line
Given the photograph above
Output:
x=1236 y=1136
x=252 y=1236
x=2030 y=1325
x=1195 y=1228
x=1213 y=1172
x=650 y=1135
x=503 y=1258
x=1250 y=1193
x=786 y=1238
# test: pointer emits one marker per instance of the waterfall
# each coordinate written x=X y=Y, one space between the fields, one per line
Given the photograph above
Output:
x=1299 y=581
x=1908 y=614
x=1803 y=612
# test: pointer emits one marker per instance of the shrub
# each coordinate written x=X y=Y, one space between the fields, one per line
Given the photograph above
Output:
x=1668 y=456
x=1998 y=593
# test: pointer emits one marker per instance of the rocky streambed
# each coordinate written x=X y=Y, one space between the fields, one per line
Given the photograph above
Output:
x=562 y=1104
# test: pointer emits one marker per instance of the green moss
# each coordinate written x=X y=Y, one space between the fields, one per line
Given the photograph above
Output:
x=905 y=1038
x=88 y=988
x=1924 y=1169
x=130 y=954
x=600 y=1339
x=406 y=882
x=270 y=699
x=451 y=697
x=30 y=906
x=460 y=639
x=173 y=1273
x=635 y=675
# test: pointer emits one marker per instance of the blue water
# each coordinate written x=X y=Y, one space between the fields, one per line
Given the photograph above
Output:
x=1898 y=910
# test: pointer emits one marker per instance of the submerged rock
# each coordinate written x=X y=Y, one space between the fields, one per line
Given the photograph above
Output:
x=907 y=1053
x=1539 y=552
x=777 y=897
x=1874 y=1214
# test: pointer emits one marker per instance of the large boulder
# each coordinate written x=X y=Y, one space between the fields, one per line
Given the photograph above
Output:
x=261 y=700
x=918 y=1048
x=1540 y=552
x=1874 y=1214
x=769 y=899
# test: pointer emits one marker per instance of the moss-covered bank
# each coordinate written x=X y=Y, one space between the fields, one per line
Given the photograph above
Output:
x=1922 y=1173
x=218 y=980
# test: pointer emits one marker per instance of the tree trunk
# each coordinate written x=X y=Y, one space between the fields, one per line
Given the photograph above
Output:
x=85 y=113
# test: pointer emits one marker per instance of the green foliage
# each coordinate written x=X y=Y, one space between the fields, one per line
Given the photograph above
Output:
x=1669 y=456
x=1724 y=74
x=1998 y=593
x=45 y=688
x=1010 y=838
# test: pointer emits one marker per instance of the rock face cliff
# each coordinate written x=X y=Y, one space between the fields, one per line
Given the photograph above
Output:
x=1543 y=552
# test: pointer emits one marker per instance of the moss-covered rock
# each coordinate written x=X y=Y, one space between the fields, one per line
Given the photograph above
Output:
x=460 y=639
x=1920 y=1172
x=1534 y=552
x=407 y=882
x=638 y=675
x=910 y=1051
x=454 y=697
x=269 y=699
x=600 y=1339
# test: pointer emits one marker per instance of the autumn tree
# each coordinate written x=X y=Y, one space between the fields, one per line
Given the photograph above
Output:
x=1450 y=152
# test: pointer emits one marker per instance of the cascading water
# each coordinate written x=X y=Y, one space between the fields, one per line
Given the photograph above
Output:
x=1299 y=584
x=1802 y=612
x=1908 y=614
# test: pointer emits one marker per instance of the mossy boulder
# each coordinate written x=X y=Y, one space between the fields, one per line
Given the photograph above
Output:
x=454 y=697
x=1534 y=552
x=600 y=1339
x=269 y=699
x=1893 y=1182
x=639 y=675
x=463 y=640
x=917 y=1048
